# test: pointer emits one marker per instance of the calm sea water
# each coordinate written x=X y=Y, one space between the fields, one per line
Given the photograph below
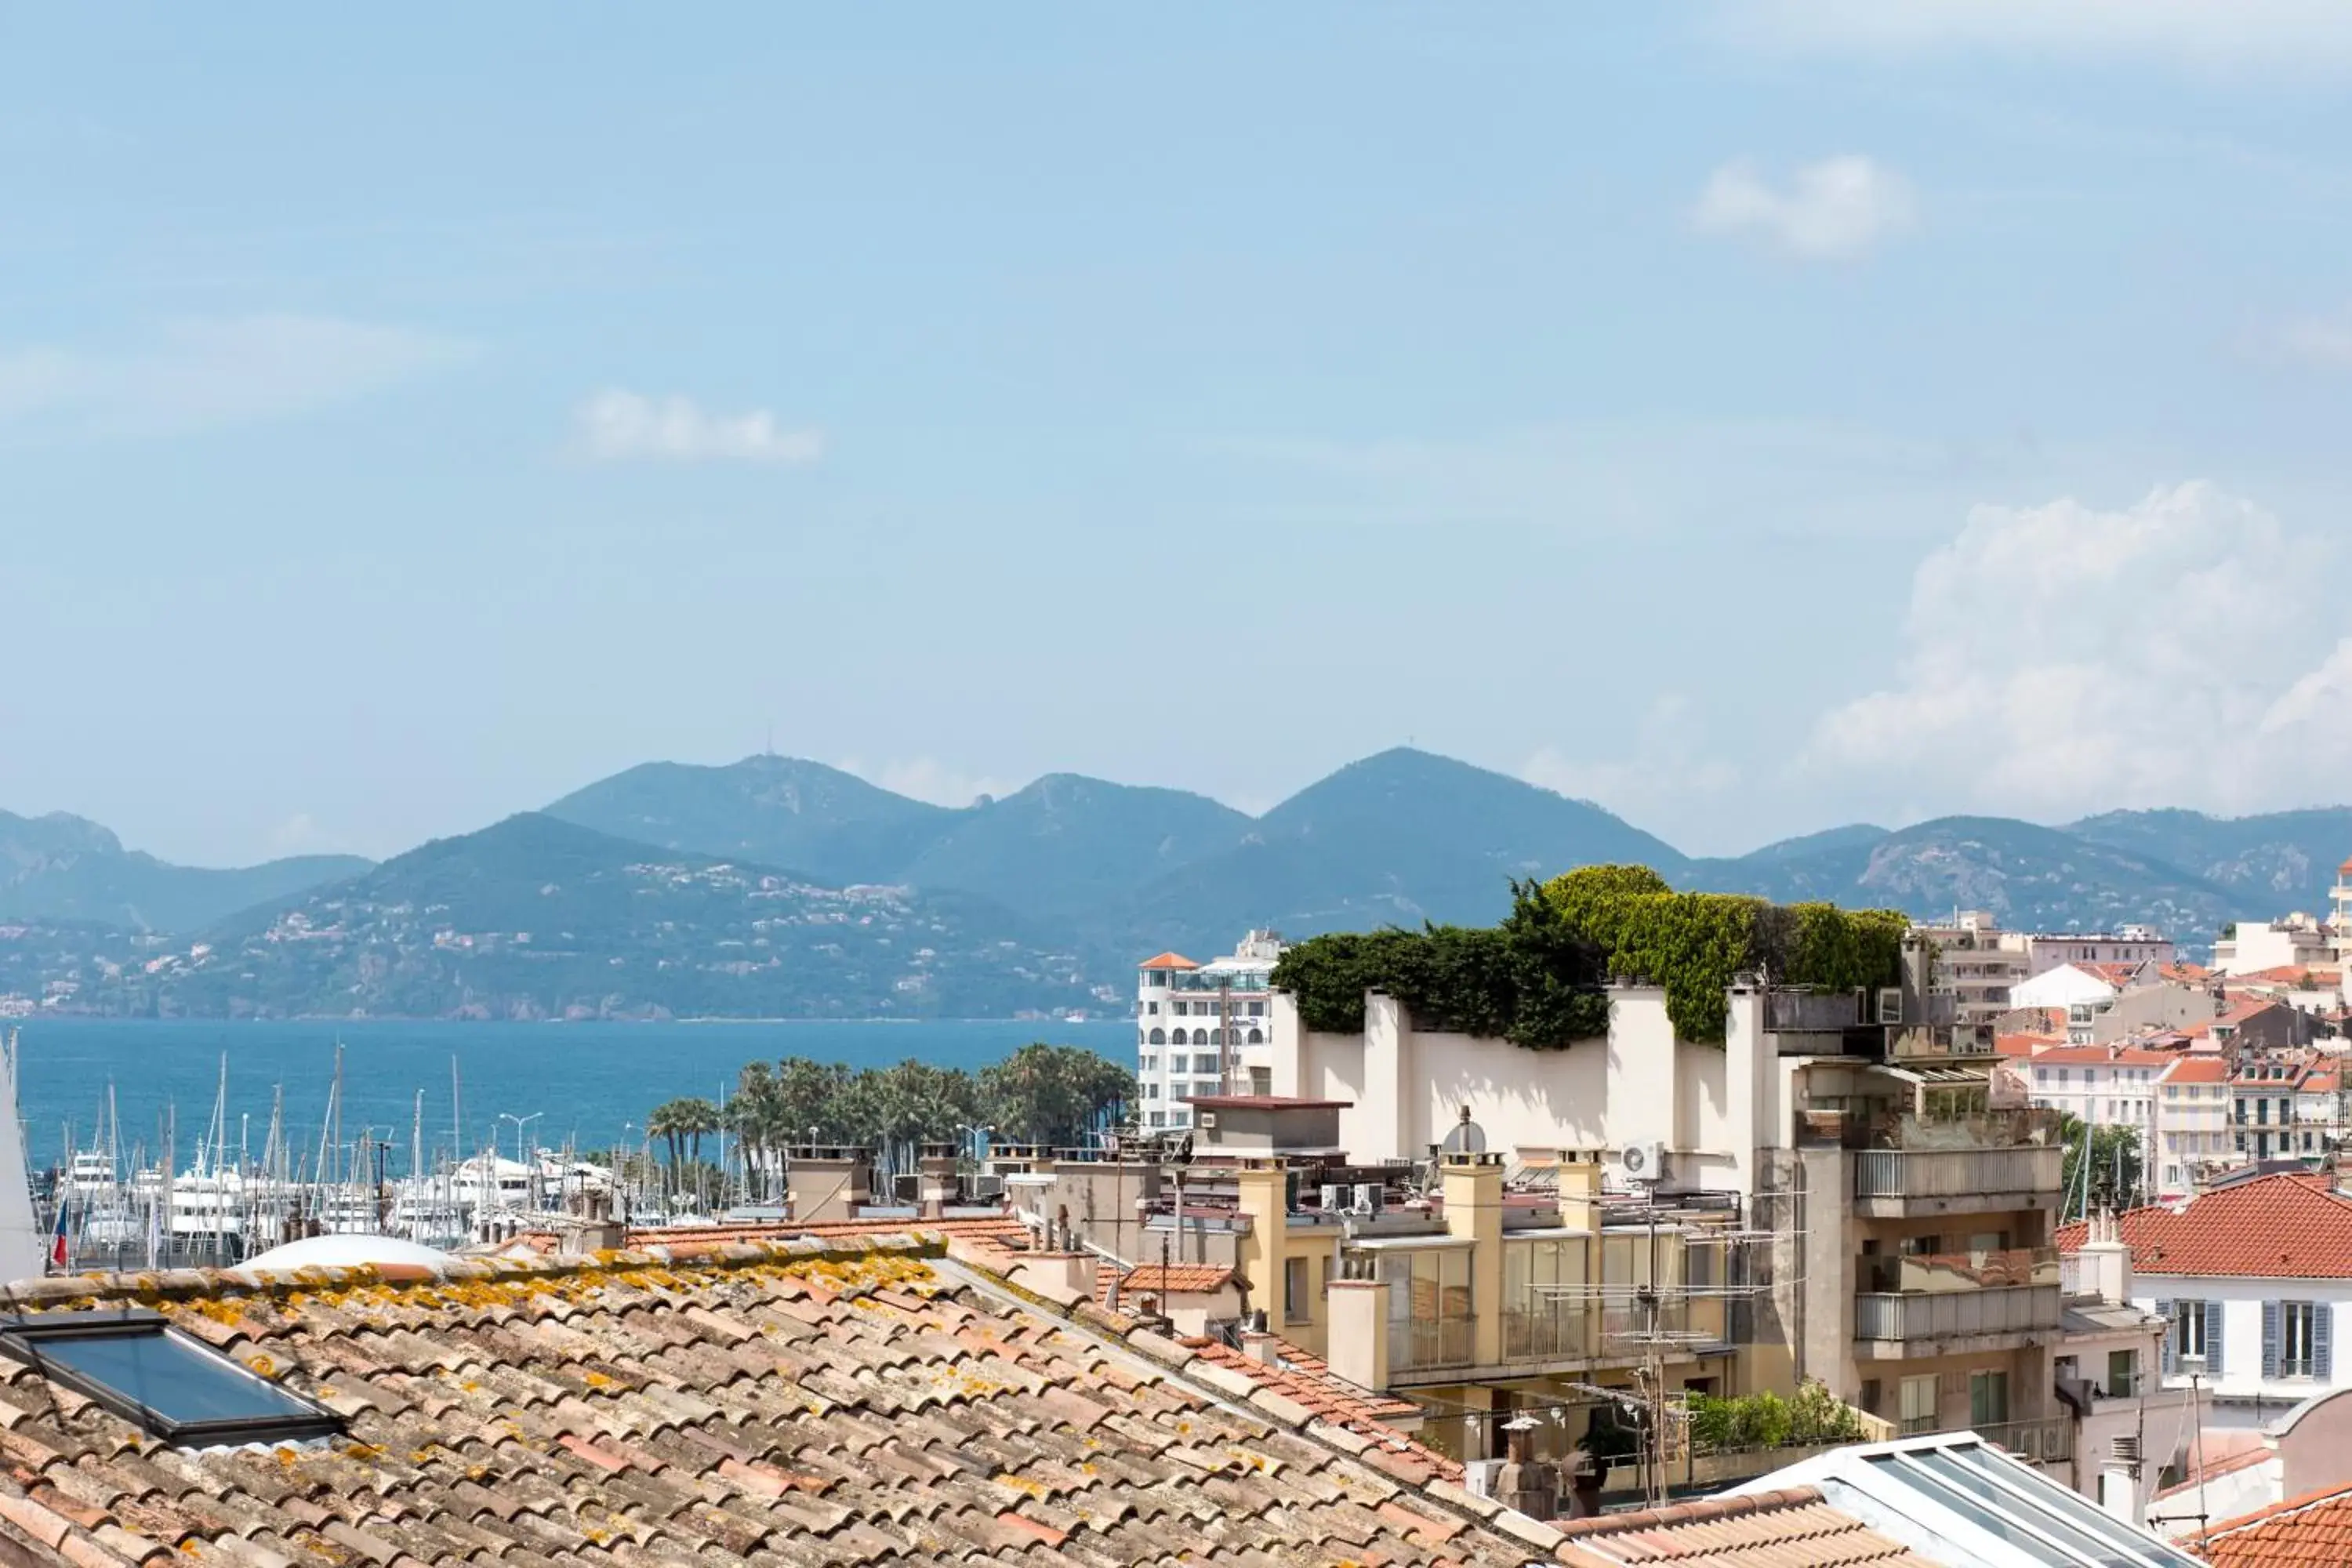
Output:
x=585 y=1082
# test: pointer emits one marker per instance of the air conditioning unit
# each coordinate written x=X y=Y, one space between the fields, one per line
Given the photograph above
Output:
x=1478 y=1475
x=1368 y=1197
x=1644 y=1161
x=1335 y=1197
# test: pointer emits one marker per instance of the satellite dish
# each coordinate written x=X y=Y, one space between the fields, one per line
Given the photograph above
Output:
x=1467 y=1137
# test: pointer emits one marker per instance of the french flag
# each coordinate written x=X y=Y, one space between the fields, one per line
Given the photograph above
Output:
x=57 y=1238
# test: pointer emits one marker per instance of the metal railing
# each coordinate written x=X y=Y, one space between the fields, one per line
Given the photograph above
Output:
x=1429 y=1343
x=1546 y=1331
x=1955 y=1173
x=1934 y=1315
x=2049 y=1441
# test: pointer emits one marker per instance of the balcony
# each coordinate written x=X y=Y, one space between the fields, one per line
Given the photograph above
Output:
x=2049 y=1441
x=1542 y=1332
x=1430 y=1344
x=1941 y=1273
x=1903 y=1183
x=1889 y=1326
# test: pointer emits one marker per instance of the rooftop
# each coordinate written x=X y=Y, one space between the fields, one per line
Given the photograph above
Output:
x=2314 y=1531
x=1778 y=1528
x=1168 y=960
x=785 y=1403
x=2290 y=1226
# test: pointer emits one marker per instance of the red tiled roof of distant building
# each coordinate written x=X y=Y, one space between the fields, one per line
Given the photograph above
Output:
x=1169 y=1280
x=2320 y=1082
x=2314 y=1531
x=2102 y=1056
x=2025 y=1045
x=1168 y=960
x=2288 y=1226
x=2185 y=972
x=2196 y=1069
x=2303 y=974
x=2115 y=974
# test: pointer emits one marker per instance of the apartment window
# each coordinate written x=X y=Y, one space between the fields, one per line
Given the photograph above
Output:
x=1152 y=1007
x=2172 y=1175
x=1257 y=1009
x=1297 y=1299
x=2295 y=1339
x=1987 y=1399
x=1160 y=1119
x=2172 y=1091
x=1151 y=1092
x=2123 y=1374
x=1918 y=1408
x=1204 y=1064
x=2195 y=1331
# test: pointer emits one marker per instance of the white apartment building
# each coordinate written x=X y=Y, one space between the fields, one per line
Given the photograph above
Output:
x=2193 y=1135
x=1981 y=965
x=2078 y=993
x=2256 y=1280
x=2249 y=947
x=1202 y=1028
x=2105 y=1086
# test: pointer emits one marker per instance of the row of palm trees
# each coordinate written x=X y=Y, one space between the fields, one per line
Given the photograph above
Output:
x=1059 y=1095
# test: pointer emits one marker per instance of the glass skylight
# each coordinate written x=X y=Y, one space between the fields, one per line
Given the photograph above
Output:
x=174 y=1387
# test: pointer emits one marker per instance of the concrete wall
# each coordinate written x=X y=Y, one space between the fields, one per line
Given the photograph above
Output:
x=1710 y=1105
x=2314 y=1444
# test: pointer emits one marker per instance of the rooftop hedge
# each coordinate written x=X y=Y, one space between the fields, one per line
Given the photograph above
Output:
x=1538 y=979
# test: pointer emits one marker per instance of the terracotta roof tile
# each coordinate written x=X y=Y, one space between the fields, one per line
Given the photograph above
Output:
x=784 y=1403
x=2314 y=1531
x=2287 y=1227
x=1760 y=1529
x=1168 y=960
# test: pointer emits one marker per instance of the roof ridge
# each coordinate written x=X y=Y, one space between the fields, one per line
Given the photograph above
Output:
x=1700 y=1510
x=70 y=1291
x=2270 y=1513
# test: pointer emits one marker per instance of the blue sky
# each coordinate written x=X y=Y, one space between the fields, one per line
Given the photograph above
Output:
x=1753 y=417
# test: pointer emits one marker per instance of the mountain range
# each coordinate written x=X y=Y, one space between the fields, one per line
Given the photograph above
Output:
x=778 y=884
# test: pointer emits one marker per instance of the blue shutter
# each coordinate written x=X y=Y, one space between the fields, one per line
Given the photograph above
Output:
x=2213 y=1340
x=2270 y=1339
x=2165 y=1354
x=2323 y=1322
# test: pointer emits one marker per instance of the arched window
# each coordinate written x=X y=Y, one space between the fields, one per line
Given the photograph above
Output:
x=1257 y=1037
x=1159 y=1037
x=1180 y=1037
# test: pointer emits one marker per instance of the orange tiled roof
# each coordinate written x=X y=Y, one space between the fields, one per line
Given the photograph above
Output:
x=2025 y=1045
x=2288 y=1226
x=1759 y=1530
x=2196 y=1069
x=767 y=1403
x=1168 y=960
x=2314 y=1531
x=1166 y=1279
x=2102 y=1056
x=1309 y=1381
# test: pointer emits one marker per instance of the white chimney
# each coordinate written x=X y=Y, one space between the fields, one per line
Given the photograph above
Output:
x=2103 y=1267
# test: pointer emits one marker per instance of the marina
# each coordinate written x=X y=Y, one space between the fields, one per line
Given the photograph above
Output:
x=173 y=1144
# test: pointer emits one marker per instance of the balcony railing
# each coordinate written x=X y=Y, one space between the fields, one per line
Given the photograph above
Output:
x=1957 y=1314
x=1545 y=1332
x=1955 y=1173
x=1989 y=1269
x=1426 y=1343
x=2050 y=1441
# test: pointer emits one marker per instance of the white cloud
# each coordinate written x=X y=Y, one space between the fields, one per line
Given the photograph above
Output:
x=1833 y=210
x=2324 y=341
x=624 y=426
x=928 y=778
x=2060 y=659
x=1665 y=773
x=228 y=371
x=2299 y=35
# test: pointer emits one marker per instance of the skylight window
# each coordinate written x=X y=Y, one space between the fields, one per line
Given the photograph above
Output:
x=174 y=1387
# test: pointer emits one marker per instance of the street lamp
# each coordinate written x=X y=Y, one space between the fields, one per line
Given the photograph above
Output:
x=521 y=1123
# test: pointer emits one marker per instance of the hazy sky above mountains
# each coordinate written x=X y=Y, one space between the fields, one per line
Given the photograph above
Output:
x=1753 y=417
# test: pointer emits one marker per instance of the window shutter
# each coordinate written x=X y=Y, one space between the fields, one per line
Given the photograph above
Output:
x=2165 y=1354
x=2323 y=1322
x=2213 y=1340
x=2270 y=1339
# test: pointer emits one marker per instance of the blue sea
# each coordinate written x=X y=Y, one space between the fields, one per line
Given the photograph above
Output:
x=585 y=1082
